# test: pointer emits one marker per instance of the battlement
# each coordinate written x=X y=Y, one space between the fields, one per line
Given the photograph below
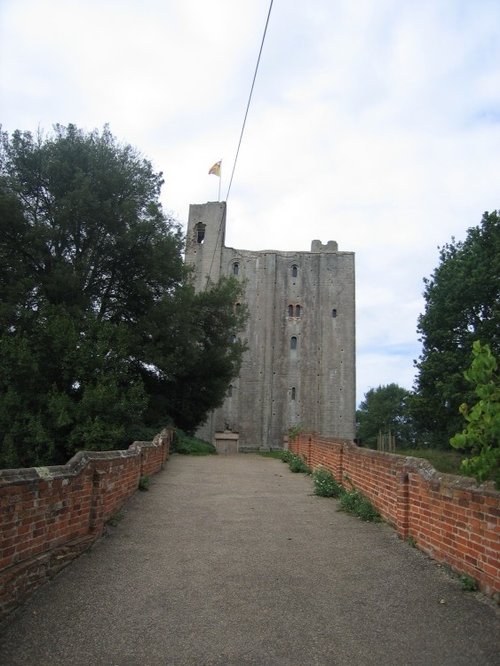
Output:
x=331 y=246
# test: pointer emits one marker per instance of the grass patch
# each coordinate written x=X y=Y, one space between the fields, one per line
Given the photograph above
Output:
x=191 y=446
x=447 y=462
x=278 y=454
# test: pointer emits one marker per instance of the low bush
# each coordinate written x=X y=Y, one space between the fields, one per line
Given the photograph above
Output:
x=357 y=504
x=144 y=482
x=325 y=484
x=298 y=464
x=467 y=583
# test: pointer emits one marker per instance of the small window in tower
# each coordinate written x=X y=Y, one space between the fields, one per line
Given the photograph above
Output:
x=230 y=391
x=298 y=310
x=293 y=392
x=334 y=313
x=293 y=342
x=200 y=232
x=295 y=271
x=236 y=268
x=290 y=310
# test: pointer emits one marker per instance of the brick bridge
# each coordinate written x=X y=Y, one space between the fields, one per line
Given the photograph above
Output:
x=233 y=560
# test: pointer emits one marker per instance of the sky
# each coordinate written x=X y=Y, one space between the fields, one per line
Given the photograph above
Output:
x=375 y=123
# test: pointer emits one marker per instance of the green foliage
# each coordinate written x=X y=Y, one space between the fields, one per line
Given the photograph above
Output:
x=298 y=464
x=448 y=462
x=355 y=503
x=286 y=456
x=385 y=408
x=462 y=305
x=101 y=334
x=411 y=541
x=325 y=484
x=116 y=519
x=191 y=446
x=294 y=431
x=144 y=482
x=482 y=432
x=467 y=583
x=198 y=354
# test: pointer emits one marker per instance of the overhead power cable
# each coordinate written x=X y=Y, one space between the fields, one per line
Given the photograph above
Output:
x=249 y=99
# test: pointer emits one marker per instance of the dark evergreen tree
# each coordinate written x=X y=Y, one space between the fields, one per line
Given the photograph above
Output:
x=99 y=329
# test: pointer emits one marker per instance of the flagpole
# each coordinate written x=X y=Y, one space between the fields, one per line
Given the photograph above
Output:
x=220 y=179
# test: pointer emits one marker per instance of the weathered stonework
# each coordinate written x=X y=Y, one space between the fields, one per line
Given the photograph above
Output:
x=300 y=363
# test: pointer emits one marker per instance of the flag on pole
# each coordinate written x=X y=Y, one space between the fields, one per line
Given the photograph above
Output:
x=215 y=170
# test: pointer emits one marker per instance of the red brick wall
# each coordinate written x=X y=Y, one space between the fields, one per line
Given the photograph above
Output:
x=49 y=515
x=450 y=518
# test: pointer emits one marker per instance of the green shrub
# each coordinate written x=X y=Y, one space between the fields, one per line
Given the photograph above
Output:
x=357 y=504
x=144 y=482
x=298 y=464
x=286 y=456
x=295 y=431
x=325 y=484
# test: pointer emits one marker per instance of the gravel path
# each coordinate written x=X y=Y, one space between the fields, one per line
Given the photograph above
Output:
x=232 y=560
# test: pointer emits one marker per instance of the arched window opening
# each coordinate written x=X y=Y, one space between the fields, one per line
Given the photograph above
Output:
x=334 y=313
x=293 y=392
x=298 y=310
x=236 y=268
x=200 y=232
x=290 y=310
x=295 y=270
x=230 y=391
x=293 y=342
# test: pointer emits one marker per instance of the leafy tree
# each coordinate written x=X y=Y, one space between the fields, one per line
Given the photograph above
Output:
x=462 y=305
x=100 y=332
x=201 y=354
x=482 y=433
x=385 y=408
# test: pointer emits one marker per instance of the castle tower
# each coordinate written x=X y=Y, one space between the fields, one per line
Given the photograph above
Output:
x=300 y=363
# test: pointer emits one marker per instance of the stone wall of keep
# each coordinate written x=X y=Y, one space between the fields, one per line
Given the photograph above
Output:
x=451 y=518
x=49 y=515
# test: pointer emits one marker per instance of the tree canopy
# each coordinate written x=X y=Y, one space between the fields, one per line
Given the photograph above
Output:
x=101 y=334
x=385 y=408
x=462 y=305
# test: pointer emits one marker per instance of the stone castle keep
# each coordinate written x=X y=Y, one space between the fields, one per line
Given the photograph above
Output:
x=300 y=363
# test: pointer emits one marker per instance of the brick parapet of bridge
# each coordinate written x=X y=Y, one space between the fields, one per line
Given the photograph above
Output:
x=451 y=518
x=49 y=515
